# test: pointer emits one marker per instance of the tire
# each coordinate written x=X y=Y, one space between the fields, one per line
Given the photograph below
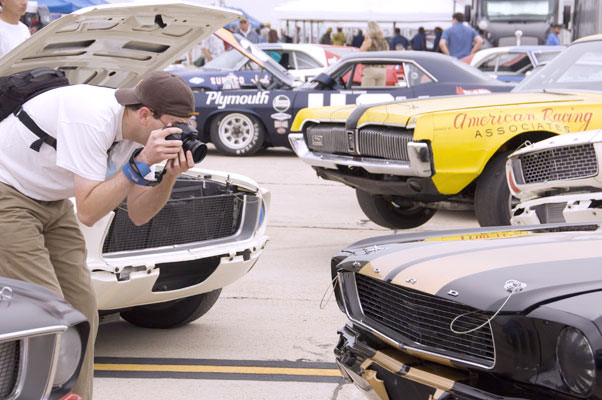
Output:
x=173 y=313
x=492 y=200
x=237 y=134
x=392 y=212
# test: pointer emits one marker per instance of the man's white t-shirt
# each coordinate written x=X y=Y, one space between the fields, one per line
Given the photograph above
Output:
x=85 y=120
x=12 y=35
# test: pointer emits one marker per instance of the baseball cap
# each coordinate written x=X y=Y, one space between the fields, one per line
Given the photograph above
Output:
x=162 y=92
x=244 y=19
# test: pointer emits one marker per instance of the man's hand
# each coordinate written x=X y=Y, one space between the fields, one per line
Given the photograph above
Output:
x=158 y=148
x=180 y=164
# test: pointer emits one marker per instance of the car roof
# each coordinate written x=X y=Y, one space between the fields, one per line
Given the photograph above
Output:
x=115 y=45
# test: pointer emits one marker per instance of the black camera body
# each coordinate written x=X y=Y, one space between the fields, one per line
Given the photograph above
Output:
x=190 y=141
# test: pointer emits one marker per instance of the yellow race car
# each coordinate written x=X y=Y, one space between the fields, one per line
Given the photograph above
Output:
x=408 y=159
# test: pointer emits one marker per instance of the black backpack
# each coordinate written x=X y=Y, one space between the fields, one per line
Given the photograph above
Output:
x=19 y=87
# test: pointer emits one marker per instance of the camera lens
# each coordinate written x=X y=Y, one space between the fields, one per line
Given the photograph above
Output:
x=198 y=150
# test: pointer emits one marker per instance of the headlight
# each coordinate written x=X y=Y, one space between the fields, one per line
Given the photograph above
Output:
x=69 y=356
x=575 y=360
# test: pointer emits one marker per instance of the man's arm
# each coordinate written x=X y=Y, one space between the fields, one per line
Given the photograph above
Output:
x=96 y=199
x=478 y=42
x=443 y=46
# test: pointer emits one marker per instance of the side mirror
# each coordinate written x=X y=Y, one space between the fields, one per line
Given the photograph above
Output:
x=324 y=79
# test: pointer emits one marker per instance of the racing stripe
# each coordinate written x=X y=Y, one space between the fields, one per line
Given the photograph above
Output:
x=338 y=99
x=315 y=100
x=431 y=275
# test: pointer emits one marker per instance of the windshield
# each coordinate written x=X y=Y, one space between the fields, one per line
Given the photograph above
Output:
x=542 y=57
x=579 y=67
x=521 y=10
x=227 y=60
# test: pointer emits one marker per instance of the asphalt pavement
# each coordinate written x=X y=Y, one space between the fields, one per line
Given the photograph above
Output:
x=267 y=336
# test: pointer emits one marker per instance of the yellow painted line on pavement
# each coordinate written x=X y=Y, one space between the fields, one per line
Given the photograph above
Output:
x=217 y=369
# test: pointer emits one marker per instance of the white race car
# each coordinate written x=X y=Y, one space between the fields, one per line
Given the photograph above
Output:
x=557 y=179
x=211 y=232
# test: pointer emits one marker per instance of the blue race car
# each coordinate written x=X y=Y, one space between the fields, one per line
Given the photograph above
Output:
x=244 y=120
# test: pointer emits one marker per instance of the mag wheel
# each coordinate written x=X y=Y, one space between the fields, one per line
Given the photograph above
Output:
x=237 y=134
x=393 y=212
x=493 y=202
x=171 y=313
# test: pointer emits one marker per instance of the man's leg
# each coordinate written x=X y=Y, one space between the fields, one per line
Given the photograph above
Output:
x=67 y=250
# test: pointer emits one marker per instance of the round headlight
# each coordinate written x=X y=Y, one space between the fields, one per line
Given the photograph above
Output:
x=575 y=360
x=69 y=356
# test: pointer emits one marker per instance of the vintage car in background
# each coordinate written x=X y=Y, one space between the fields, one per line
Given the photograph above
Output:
x=557 y=180
x=492 y=313
x=408 y=159
x=245 y=120
x=512 y=64
x=211 y=232
x=243 y=63
x=42 y=343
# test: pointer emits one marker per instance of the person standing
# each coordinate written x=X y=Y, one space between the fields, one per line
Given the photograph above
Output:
x=358 y=39
x=374 y=75
x=339 y=39
x=325 y=39
x=399 y=42
x=298 y=35
x=460 y=40
x=438 y=33
x=207 y=50
x=104 y=152
x=12 y=31
x=552 y=39
x=244 y=29
x=264 y=31
x=419 y=40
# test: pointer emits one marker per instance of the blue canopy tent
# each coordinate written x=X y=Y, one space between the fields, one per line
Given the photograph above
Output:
x=68 y=6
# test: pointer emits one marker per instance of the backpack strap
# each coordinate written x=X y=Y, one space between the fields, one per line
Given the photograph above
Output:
x=34 y=128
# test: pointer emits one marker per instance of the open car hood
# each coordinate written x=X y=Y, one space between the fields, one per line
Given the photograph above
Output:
x=115 y=45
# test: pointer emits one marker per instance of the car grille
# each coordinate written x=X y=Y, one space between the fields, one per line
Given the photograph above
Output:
x=426 y=319
x=558 y=164
x=181 y=221
x=372 y=141
x=10 y=358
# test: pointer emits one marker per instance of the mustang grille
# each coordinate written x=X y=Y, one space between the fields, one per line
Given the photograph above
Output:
x=10 y=358
x=373 y=141
x=426 y=319
x=561 y=163
x=180 y=221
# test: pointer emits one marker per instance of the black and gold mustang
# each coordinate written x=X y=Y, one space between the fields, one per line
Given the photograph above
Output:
x=495 y=313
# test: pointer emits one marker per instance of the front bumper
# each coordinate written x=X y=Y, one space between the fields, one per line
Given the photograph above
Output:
x=582 y=207
x=115 y=290
x=419 y=163
x=390 y=374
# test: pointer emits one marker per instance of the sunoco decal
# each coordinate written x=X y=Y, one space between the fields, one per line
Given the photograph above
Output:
x=281 y=103
x=221 y=100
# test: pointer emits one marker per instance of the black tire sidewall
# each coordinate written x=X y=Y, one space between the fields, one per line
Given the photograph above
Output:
x=255 y=145
x=382 y=212
x=491 y=202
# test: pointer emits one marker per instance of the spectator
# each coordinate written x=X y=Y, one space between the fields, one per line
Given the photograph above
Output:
x=245 y=30
x=12 y=31
x=374 y=75
x=298 y=35
x=419 y=40
x=325 y=39
x=553 y=39
x=358 y=39
x=98 y=159
x=438 y=33
x=273 y=36
x=264 y=31
x=284 y=37
x=460 y=40
x=207 y=50
x=399 y=42
x=339 y=39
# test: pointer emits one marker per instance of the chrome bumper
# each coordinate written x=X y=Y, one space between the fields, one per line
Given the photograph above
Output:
x=419 y=163
x=573 y=208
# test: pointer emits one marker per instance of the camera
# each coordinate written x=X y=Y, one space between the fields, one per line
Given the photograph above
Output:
x=190 y=141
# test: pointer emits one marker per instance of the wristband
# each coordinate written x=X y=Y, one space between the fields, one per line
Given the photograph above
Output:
x=135 y=171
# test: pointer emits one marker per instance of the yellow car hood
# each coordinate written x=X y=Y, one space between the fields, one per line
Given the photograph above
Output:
x=402 y=113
